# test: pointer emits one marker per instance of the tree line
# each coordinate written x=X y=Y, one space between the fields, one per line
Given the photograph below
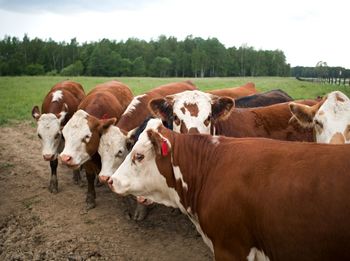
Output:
x=322 y=73
x=163 y=57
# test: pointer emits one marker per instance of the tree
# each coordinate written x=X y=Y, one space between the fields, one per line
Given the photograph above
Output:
x=35 y=69
x=75 y=69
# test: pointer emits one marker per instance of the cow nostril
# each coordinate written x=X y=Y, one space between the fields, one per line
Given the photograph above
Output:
x=65 y=158
x=110 y=181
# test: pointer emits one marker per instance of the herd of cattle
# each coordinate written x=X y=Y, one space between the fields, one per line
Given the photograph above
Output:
x=246 y=167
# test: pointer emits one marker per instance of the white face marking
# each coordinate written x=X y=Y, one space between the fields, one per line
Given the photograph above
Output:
x=142 y=178
x=57 y=96
x=112 y=149
x=132 y=106
x=334 y=115
x=256 y=255
x=75 y=131
x=203 y=102
x=49 y=132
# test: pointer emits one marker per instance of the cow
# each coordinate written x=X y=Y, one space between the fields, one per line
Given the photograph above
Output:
x=198 y=112
x=101 y=107
x=249 y=198
x=330 y=118
x=263 y=99
x=236 y=92
x=57 y=108
x=117 y=140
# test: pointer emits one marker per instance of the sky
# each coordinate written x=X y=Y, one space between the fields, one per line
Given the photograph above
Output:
x=307 y=31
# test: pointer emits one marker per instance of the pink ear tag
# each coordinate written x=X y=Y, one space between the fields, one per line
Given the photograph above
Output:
x=164 y=148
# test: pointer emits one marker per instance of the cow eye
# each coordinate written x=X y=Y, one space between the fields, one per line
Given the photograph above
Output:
x=139 y=157
x=176 y=119
x=209 y=118
x=119 y=154
x=86 y=138
x=39 y=136
x=56 y=136
x=318 y=123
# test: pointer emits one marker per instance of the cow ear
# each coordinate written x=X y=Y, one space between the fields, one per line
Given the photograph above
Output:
x=36 y=113
x=161 y=145
x=161 y=108
x=304 y=114
x=221 y=107
x=61 y=116
x=104 y=124
x=131 y=139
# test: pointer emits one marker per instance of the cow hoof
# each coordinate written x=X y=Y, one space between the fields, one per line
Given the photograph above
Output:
x=53 y=188
x=90 y=202
x=140 y=213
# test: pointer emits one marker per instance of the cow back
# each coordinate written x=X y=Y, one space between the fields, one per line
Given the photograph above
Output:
x=107 y=100
x=138 y=110
x=236 y=92
x=263 y=99
x=268 y=122
x=66 y=92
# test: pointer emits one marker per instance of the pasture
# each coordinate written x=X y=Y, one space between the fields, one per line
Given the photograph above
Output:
x=38 y=225
x=19 y=94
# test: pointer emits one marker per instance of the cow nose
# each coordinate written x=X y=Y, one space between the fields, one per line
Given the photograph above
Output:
x=48 y=157
x=110 y=181
x=65 y=158
x=104 y=179
x=193 y=131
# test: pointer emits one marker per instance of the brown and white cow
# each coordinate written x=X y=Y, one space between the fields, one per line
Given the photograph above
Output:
x=198 y=112
x=330 y=118
x=255 y=199
x=236 y=92
x=115 y=140
x=101 y=107
x=57 y=108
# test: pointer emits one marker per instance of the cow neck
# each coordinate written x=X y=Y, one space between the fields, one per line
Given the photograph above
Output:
x=132 y=119
x=186 y=166
x=234 y=125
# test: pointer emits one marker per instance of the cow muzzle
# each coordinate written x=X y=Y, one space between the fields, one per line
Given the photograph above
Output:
x=103 y=179
x=49 y=157
x=68 y=161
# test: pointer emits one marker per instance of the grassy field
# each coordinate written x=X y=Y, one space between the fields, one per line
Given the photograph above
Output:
x=19 y=94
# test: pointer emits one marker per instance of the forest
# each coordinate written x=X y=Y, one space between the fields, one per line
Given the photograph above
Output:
x=163 y=57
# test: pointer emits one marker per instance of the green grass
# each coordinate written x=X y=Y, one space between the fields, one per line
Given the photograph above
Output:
x=19 y=94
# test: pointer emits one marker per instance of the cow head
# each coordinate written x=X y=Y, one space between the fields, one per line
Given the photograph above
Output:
x=192 y=111
x=82 y=136
x=330 y=118
x=49 y=131
x=113 y=148
x=139 y=174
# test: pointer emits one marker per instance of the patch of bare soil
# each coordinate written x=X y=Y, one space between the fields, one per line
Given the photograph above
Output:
x=38 y=225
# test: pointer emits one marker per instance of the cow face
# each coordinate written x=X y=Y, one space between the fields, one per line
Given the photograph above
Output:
x=82 y=136
x=139 y=174
x=192 y=111
x=49 y=131
x=113 y=149
x=330 y=118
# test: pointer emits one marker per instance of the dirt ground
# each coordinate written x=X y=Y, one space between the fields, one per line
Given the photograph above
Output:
x=38 y=225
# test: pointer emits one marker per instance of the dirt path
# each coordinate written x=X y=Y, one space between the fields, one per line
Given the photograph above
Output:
x=38 y=225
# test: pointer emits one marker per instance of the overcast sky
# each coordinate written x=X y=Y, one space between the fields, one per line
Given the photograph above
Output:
x=307 y=31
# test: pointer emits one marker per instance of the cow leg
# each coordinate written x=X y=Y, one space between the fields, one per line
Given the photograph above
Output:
x=76 y=176
x=53 y=187
x=140 y=212
x=91 y=194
